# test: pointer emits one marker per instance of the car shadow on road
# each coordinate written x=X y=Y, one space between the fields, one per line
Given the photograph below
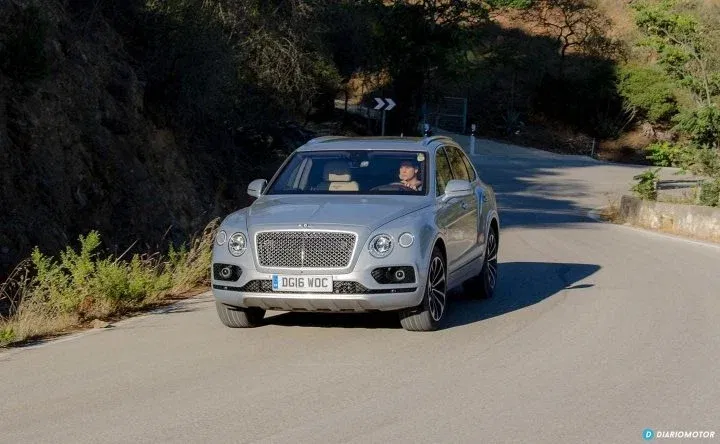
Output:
x=522 y=284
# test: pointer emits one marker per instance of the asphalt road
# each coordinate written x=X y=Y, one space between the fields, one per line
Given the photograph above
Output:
x=597 y=332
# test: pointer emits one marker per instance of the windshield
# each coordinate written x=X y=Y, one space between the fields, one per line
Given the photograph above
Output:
x=353 y=172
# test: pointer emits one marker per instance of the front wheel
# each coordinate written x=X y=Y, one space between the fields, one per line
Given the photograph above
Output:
x=237 y=317
x=429 y=314
x=488 y=278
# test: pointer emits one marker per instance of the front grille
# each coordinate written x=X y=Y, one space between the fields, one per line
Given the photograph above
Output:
x=339 y=287
x=304 y=249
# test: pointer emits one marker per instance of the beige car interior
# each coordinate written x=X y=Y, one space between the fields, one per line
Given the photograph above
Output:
x=337 y=178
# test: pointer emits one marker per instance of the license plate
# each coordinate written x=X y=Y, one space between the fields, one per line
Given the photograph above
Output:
x=310 y=284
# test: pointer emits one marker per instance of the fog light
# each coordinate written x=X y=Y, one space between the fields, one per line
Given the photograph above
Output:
x=226 y=272
x=394 y=275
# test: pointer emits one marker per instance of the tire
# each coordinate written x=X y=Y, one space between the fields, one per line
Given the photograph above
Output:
x=429 y=315
x=484 y=284
x=236 y=317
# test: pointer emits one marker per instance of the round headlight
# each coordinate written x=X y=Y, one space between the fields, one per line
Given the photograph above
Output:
x=406 y=239
x=237 y=244
x=221 y=237
x=381 y=245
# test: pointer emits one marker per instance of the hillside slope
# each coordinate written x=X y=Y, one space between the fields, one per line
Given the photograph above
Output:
x=79 y=151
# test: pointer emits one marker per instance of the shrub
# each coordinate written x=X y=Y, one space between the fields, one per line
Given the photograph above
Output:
x=83 y=284
x=667 y=154
x=702 y=124
x=710 y=193
x=646 y=188
x=702 y=161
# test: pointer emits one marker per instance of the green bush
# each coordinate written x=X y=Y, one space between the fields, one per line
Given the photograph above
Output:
x=701 y=161
x=83 y=275
x=667 y=154
x=649 y=91
x=702 y=124
x=7 y=335
x=710 y=193
x=84 y=284
x=646 y=188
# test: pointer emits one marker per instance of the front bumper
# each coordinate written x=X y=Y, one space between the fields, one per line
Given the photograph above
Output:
x=319 y=302
x=353 y=292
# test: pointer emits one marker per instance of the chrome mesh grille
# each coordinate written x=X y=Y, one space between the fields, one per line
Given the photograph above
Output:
x=304 y=249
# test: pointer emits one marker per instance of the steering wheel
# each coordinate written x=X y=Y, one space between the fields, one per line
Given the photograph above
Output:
x=392 y=187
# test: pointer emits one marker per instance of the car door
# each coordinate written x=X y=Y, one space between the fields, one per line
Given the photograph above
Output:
x=467 y=224
x=449 y=213
x=482 y=209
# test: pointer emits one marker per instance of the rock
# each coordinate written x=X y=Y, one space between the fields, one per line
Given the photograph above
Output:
x=97 y=323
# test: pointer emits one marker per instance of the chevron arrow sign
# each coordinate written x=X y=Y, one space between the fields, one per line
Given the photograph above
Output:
x=381 y=103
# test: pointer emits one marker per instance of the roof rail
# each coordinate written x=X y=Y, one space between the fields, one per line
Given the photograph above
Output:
x=428 y=140
x=322 y=139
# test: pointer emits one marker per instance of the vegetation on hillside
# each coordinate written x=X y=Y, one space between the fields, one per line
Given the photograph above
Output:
x=683 y=39
x=47 y=295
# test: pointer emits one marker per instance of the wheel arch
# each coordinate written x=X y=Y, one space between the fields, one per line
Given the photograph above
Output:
x=439 y=242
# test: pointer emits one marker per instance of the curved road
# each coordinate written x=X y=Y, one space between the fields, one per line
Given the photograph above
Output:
x=597 y=332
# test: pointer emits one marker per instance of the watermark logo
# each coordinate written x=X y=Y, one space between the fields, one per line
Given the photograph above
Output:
x=650 y=434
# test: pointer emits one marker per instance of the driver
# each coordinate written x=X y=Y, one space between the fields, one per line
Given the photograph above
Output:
x=408 y=175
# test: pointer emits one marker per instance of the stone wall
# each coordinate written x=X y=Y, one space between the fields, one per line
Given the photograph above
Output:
x=688 y=220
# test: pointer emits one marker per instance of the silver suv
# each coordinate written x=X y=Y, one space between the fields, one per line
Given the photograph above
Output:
x=360 y=225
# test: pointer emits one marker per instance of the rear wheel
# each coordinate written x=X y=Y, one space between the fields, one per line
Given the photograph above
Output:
x=237 y=317
x=429 y=314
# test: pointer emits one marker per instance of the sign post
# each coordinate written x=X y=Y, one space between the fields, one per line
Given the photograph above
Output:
x=381 y=105
x=473 y=128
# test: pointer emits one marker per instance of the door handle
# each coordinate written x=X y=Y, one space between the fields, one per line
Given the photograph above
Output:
x=464 y=205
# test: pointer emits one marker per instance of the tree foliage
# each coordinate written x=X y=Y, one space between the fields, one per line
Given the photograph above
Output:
x=683 y=45
x=649 y=91
x=686 y=46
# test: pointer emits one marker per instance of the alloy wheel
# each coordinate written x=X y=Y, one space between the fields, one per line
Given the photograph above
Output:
x=437 y=289
x=491 y=260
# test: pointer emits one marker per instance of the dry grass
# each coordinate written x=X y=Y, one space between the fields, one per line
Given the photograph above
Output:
x=47 y=297
x=611 y=212
x=619 y=12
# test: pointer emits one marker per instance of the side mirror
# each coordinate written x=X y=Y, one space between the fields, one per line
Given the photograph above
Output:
x=457 y=188
x=256 y=187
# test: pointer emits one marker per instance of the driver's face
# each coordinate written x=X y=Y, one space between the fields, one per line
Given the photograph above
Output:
x=407 y=172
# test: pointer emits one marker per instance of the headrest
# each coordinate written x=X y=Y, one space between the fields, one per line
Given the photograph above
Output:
x=336 y=171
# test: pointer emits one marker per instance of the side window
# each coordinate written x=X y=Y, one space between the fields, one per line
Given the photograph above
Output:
x=443 y=173
x=470 y=169
x=457 y=164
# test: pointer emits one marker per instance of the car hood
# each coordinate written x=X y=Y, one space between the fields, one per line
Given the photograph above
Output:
x=366 y=211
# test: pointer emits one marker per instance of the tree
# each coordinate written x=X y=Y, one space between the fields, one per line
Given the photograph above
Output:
x=684 y=46
x=576 y=25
